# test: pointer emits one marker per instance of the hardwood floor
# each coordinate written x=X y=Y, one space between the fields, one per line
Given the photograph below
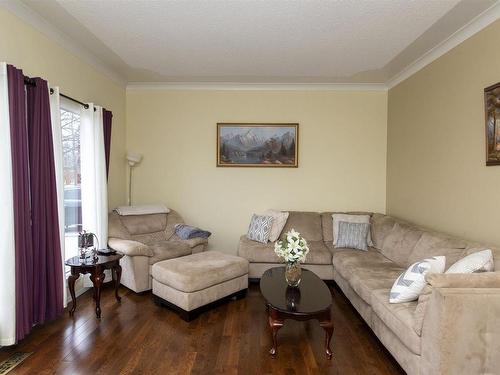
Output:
x=138 y=337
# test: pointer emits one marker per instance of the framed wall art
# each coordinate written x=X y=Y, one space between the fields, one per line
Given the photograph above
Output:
x=257 y=145
x=492 y=111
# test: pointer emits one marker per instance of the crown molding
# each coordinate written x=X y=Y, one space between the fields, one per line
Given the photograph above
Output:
x=31 y=17
x=477 y=24
x=232 y=86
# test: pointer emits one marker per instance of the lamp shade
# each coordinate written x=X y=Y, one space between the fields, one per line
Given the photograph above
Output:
x=133 y=158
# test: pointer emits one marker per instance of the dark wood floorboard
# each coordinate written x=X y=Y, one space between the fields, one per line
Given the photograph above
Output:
x=138 y=337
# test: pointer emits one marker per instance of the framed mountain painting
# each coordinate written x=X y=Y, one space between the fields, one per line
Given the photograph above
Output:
x=257 y=145
x=492 y=111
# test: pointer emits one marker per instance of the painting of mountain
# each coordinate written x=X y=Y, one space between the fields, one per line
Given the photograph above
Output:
x=257 y=145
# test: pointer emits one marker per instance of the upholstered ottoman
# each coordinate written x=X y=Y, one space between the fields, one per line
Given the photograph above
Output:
x=191 y=283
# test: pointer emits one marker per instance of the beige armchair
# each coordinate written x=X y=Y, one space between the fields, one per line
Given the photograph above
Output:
x=145 y=240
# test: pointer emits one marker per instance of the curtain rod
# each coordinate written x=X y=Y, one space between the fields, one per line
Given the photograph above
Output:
x=84 y=105
x=31 y=82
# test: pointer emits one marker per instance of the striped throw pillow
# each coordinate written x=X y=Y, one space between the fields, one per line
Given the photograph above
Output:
x=353 y=235
x=410 y=284
x=260 y=228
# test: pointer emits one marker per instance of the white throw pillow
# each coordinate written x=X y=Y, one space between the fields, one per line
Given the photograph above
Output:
x=279 y=221
x=410 y=284
x=350 y=218
x=482 y=261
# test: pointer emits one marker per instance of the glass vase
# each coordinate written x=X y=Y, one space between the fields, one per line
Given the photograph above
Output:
x=293 y=273
x=292 y=298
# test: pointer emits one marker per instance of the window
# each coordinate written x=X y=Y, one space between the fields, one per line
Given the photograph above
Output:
x=70 y=130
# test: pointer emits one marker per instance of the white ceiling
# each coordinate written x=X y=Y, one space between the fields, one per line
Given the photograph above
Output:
x=247 y=41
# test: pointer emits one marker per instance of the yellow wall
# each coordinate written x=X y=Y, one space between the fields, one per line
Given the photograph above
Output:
x=26 y=48
x=342 y=154
x=436 y=173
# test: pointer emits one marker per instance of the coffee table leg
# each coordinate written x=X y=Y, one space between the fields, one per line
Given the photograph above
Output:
x=71 y=284
x=327 y=324
x=275 y=323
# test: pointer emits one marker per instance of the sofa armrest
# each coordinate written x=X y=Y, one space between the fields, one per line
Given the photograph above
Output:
x=461 y=331
x=130 y=248
x=464 y=280
x=193 y=242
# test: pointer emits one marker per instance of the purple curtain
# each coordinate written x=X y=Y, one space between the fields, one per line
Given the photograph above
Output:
x=47 y=261
x=107 y=116
x=39 y=276
x=22 y=214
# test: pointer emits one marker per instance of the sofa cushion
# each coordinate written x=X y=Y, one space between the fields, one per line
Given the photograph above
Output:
x=318 y=253
x=365 y=271
x=149 y=238
x=400 y=242
x=168 y=249
x=116 y=228
x=199 y=271
x=173 y=218
x=421 y=309
x=437 y=244
x=256 y=252
x=327 y=226
x=381 y=226
x=331 y=246
x=143 y=224
x=398 y=317
x=308 y=224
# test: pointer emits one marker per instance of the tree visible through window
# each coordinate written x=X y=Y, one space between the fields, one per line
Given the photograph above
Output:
x=70 y=129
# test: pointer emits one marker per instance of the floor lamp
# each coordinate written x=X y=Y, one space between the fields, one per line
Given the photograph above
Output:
x=133 y=159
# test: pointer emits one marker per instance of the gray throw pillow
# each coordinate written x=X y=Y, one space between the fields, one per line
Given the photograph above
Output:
x=353 y=235
x=260 y=228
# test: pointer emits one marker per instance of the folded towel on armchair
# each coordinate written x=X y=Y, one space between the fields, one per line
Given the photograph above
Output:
x=187 y=232
x=142 y=210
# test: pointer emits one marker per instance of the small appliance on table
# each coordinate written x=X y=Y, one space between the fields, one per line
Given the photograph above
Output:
x=95 y=267
x=310 y=300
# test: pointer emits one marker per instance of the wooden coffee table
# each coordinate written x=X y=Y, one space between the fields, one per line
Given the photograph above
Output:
x=96 y=271
x=310 y=300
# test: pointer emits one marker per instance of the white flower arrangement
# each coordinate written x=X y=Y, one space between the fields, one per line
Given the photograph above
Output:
x=293 y=249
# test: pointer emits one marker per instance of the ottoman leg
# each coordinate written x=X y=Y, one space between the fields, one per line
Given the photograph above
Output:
x=185 y=315
x=158 y=301
x=241 y=294
x=188 y=316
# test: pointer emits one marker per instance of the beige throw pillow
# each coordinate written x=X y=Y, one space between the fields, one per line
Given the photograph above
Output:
x=279 y=221
x=349 y=218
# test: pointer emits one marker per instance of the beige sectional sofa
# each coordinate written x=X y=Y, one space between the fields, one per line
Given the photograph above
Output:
x=145 y=240
x=454 y=328
x=309 y=224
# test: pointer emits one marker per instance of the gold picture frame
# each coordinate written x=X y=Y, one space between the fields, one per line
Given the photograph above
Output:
x=267 y=145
